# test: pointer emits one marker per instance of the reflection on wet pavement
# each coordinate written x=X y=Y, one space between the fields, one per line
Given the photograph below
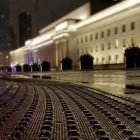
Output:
x=112 y=81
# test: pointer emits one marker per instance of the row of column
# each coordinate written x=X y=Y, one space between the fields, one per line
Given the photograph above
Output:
x=53 y=53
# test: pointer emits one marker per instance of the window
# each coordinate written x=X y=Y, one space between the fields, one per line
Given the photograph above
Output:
x=97 y=60
x=77 y=41
x=82 y=50
x=109 y=46
x=116 y=43
x=81 y=40
x=96 y=36
x=102 y=47
x=116 y=58
x=132 y=25
x=116 y=30
x=91 y=50
x=86 y=39
x=96 y=48
x=78 y=51
x=108 y=32
x=91 y=37
x=102 y=34
x=86 y=49
x=123 y=28
x=109 y=59
x=124 y=43
x=103 y=60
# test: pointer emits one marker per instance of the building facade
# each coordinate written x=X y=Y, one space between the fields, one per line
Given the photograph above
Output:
x=104 y=35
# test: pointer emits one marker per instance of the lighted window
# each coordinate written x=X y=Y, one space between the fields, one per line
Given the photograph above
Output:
x=123 y=28
x=116 y=30
x=103 y=60
x=116 y=43
x=132 y=25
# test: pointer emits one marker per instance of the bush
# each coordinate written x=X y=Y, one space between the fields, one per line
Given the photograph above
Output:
x=132 y=57
x=26 y=68
x=86 y=61
x=45 y=66
x=8 y=68
x=66 y=63
x=18 y=68
x=35 y=67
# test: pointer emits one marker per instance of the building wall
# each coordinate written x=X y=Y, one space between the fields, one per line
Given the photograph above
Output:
x=17 y=57
x=107 y=39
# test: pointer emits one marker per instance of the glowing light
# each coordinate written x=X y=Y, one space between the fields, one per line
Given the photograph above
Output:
x=41 y=38
x=116 y=43
x=42 y=44
x=61 y=26
x=28 y=42
x=18 y=50
x=60 y=36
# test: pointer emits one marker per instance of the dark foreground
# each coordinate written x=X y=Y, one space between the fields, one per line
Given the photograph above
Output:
x=50 y=110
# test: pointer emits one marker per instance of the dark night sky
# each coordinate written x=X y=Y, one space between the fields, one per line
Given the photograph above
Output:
x=43 y=11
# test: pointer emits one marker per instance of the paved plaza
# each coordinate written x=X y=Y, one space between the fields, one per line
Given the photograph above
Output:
x=63 y=106
x=112 y=81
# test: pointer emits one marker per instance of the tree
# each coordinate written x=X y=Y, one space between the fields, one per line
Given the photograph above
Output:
x=18 y=68
x=45 y=66
x=35 y=67
x=66 y=63
x=26 y=68
x=86 y=61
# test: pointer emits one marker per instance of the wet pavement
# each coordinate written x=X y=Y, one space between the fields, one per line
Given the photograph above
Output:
x=112 y=81
x=39 y=108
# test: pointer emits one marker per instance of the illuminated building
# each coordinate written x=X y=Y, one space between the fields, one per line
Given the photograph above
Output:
x=105 y=35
